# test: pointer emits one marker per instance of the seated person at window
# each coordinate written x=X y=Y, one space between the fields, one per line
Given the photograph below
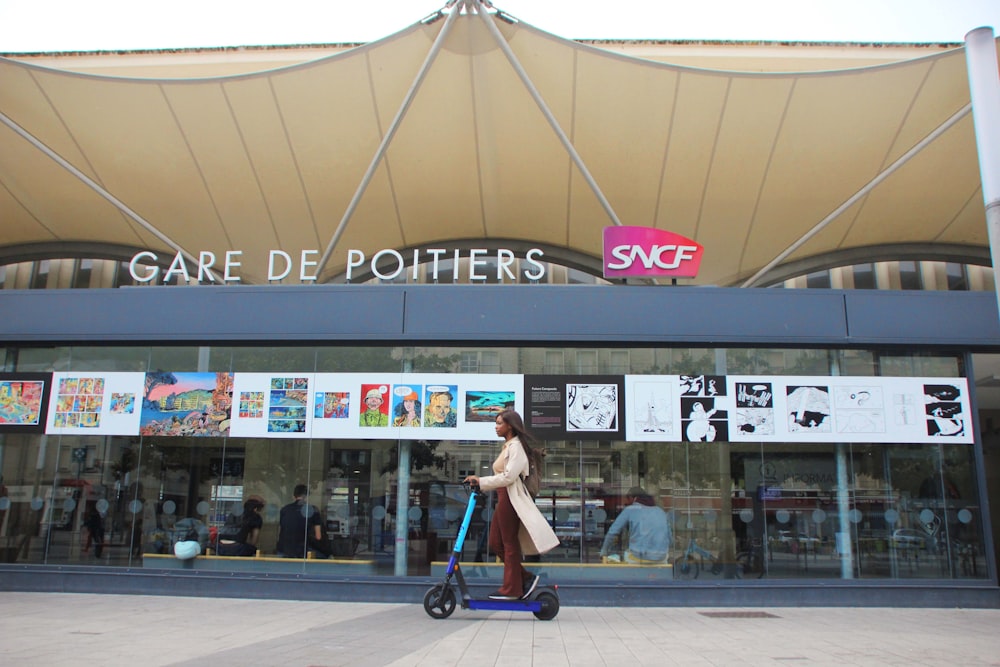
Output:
x=647 y=528
x=244 y=541
x=300 y=527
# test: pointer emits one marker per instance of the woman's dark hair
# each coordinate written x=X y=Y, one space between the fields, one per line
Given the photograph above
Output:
x=513 y=419
x=250 y=508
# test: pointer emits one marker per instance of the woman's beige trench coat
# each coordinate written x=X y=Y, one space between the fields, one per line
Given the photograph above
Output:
x=535 y=535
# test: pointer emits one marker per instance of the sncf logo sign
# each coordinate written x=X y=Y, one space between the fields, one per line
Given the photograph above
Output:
x=644 y=251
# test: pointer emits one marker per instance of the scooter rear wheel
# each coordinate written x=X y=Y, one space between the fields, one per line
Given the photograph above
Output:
x=550 y=606
x=440 y=601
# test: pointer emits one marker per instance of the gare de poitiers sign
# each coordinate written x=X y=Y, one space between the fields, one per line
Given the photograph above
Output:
x=628 y=251
x=386 y=264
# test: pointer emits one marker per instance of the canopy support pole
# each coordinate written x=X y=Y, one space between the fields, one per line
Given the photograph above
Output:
x=903 y=159
x=390 y=133
x=526 y=80
x=984 y=90
x=96 y=187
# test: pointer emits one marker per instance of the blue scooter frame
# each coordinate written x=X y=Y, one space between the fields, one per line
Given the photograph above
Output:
x=440 y=601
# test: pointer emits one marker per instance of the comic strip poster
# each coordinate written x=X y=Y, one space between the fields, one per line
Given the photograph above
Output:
x=24 y=399
x=651 y=408
x=91 y=403
x=870 y=409
x=705 y=408
x=808 y=409
x=186 y=404
x=582 y=407
x=945 y=410
x=753 y=415
x=274 y=405
x=860 y=409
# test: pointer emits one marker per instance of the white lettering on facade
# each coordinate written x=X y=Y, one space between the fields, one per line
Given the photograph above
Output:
x=206 y=260
x=231 y=264
x=274 y=254
x=504 y=260
x=177 y=267
x=386 y=264
x=539 y=268
x=151 y=271
x=474 y=263
x=307 y=262
x=400 y=264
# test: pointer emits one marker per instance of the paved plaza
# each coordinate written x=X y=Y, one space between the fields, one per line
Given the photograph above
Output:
x=146 y=631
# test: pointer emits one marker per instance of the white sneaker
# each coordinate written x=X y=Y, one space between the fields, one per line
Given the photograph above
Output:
x=532 y=587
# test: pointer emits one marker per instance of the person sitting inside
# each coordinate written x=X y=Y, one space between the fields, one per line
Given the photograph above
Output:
x=648 y=530
x=300 y=527
x=248 y=524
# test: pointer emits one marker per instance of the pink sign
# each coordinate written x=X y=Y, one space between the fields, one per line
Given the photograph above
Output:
x=645 y=251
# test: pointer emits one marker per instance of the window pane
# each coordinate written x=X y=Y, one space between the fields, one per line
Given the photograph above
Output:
x=864 y=276
x=909 y=276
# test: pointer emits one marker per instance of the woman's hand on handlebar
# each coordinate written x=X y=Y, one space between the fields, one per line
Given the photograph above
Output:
x=471 y=480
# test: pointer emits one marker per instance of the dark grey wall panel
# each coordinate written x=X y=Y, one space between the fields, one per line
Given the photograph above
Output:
x=640 y=314
x=190 y=314
x=961 y=318
x=500 y=314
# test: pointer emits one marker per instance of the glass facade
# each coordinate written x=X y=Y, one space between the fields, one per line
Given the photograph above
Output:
x=734 y=510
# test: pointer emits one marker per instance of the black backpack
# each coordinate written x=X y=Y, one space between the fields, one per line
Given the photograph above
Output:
x=231 y=528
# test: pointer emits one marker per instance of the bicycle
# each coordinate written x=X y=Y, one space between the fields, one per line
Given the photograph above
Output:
x=690 y=564
x=750 y=561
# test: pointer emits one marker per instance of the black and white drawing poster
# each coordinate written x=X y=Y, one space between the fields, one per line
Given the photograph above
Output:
x=704 y=419
x=753 y=417
x=575 y=407
x=650 y=408
x=944 y=410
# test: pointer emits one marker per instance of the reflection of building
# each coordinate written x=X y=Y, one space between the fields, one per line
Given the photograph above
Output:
x=519 y=192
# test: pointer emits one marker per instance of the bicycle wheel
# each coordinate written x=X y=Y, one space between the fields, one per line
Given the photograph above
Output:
x=440 y=601
x=686 y=567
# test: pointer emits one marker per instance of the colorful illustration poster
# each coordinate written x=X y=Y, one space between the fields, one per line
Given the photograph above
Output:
x=332 y=404
x=375 y=406
x=186 y=404
x=441 y=411
x=483 y=405
x=407 y=407
x=276 y=405
x=24 y=399
x=90 y=403
x=288 y=404
x=413 y=405
x=575 y=407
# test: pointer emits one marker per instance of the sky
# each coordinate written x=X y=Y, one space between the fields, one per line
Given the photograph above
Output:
x=97 y=25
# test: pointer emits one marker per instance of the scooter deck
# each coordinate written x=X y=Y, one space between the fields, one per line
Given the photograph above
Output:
x=503 y=605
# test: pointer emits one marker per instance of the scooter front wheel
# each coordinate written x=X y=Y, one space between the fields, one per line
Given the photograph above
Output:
x=550 y=606
x=440 y=601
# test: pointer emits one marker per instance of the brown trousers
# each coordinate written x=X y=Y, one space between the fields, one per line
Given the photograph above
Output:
x=504 y=543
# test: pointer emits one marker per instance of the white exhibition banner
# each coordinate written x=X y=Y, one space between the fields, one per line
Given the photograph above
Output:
x=95 y=403
x=743 y=408
x=372 y=405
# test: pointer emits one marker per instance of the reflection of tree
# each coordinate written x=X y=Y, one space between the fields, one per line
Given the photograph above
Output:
x=422 y=455
x=750 y=361
x=125 y=464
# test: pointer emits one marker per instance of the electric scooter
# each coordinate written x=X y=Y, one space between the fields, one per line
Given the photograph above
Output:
x=440 y=601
